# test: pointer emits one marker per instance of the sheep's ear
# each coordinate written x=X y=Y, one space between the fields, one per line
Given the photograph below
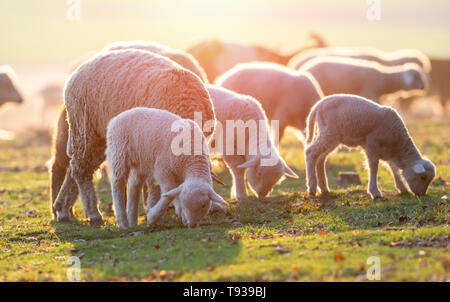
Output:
x=288 y=172
x=216 y=198
x=217 y=179
x=173 y=193
x=250 y=163
x=419 y=169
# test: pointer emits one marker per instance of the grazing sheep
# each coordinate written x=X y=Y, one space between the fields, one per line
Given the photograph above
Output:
x=51 y=96
x=139 y=149
x=181 y=57
x=285 y=95
x=8 y=90
x=393 y=58
x=217 y=56
x=440 y=78
x=262 y=176
x=102 y=87
x=365 y=78
x=355 y=121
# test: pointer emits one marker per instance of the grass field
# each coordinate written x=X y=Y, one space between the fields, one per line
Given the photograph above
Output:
x=288 y=237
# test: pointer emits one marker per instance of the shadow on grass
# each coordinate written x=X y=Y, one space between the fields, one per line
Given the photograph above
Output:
x=109 y=253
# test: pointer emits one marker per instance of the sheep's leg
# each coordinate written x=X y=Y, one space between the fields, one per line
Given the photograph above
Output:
x=155 y=214
x=83 y=171
x=321 y=173
x=57 y=176
x=313 y=153
x=135 y=184
x=239 y=188
x=399 y=184
x=119 y=192
x=311 y=159
x=60 y=167
x=153 y=194
x=373 y=171
x=67 y=197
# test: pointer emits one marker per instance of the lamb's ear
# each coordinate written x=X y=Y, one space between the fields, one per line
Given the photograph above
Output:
x=173 y=193
x=216 y=198
x=288 y=172
x=250 y=163
x=217 y=179
x=419 y=169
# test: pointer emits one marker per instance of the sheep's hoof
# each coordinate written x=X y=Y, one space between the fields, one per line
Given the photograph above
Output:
x=65 y=219
x=377 y=197
x=96 y=221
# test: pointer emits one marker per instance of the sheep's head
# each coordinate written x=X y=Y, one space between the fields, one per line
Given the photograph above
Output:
x=8 y=93
x=263 y=178
x=419 y=176
x=415 y=79
x=193 y=200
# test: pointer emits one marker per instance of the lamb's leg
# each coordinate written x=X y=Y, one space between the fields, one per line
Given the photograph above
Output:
x=373 y=161
x=153 y=194
x=399 y=184
x=135 y=184
x=325 y=143
x=119 y=191
x=156 y=213
x=321 y=173
x=239 y=188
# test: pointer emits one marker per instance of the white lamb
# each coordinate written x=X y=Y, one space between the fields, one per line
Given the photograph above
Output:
x=355 y=121
x=265 y=166
x=140 y=149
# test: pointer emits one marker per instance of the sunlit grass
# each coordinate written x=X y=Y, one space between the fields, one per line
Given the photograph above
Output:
x=285 y=237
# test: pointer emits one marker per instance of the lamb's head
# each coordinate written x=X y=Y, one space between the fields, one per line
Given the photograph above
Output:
x=415 y=79
x=193 y=199
x=262 y=178
x=8 y=92
x=419 y=176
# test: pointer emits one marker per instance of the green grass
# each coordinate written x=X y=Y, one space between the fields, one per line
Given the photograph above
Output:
x=286 y=237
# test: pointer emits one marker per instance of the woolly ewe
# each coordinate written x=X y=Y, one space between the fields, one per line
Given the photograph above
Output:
x=60 y=160
x=218 y=56
x=181 y=57
x=365 y=78
x=379 y=130
x=393 y=58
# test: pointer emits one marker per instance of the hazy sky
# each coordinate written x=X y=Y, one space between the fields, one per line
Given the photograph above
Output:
x=40 y=30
